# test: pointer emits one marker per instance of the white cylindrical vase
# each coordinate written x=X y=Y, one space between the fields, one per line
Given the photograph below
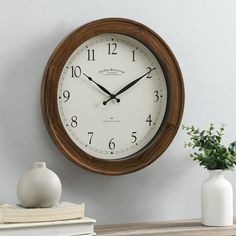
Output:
x=217 y=200
x=39 y=187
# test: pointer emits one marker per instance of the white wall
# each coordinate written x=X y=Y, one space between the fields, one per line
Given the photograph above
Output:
x=202 y=35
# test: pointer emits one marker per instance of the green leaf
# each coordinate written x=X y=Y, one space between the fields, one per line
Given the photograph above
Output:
x=232 y=148
x=211 y=127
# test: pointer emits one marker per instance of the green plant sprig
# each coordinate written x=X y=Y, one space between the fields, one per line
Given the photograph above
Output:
x=210 y=152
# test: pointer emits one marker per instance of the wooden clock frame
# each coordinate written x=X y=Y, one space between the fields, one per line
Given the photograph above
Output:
x=175 y=96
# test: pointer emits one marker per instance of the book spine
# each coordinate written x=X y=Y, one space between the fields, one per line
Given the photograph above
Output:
x=1 y=215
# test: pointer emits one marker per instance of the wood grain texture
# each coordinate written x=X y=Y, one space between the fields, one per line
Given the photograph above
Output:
x=177 y=228
x=175 y=103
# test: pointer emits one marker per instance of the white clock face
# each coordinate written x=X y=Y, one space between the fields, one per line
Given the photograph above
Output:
x=112 y=96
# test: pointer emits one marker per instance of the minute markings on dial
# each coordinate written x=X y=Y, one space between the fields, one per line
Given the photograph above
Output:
x=115 y=143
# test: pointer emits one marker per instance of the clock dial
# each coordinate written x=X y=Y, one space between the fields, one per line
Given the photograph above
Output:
x=112 y=96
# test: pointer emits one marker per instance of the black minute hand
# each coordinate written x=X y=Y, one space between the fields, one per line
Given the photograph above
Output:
x=132 y=83
x=129 y=85
x=102 y=88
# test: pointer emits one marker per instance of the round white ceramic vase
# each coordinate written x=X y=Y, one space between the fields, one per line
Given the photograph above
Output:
x=217 y=200
x=39 y=187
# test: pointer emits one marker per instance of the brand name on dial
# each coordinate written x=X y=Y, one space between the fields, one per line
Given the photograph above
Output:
x=111 y=71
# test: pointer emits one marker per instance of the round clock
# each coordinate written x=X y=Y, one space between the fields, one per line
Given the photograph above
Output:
x=112 y=96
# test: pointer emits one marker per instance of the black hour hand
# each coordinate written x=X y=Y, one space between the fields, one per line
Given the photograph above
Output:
x=101 y=87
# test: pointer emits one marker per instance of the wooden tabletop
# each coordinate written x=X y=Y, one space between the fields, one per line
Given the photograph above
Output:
x=177 y=228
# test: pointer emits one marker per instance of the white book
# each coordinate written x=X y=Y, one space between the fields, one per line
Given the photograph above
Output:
x=92 y=234
x=18 y=214
x=83 y=226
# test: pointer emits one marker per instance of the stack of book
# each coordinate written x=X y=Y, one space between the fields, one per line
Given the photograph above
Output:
x=65 y=219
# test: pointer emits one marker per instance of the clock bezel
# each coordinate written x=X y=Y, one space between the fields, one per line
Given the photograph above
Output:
x=175 y=99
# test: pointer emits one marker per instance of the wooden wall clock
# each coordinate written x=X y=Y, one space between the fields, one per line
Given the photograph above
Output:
x=112 y=96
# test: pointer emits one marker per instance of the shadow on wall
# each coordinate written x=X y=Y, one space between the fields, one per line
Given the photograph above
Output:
x=23 y=136
x=128 y=198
